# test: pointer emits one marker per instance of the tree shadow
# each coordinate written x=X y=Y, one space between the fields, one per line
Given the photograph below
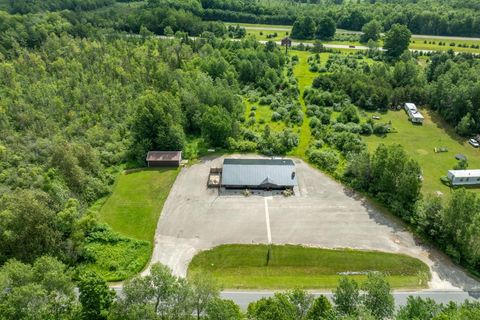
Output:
x=441 y=264
x=441 y=124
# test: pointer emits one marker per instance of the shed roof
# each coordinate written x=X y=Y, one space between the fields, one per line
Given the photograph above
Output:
x=258 y=172
x=465 y=173
x=164 y=155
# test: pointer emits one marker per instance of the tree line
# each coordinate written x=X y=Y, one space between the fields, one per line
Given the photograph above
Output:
x=421 y=17
x=31 y=6
x=45 y=290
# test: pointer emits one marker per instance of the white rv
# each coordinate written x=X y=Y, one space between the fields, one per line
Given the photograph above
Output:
x=464 y=177
x=414 y=115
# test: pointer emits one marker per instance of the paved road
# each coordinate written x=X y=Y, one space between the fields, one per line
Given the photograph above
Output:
x=243 y=298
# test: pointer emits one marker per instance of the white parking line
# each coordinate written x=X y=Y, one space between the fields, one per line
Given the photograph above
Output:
x=267 y=218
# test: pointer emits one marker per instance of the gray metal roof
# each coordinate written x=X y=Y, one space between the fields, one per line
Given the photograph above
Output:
x=258 y=172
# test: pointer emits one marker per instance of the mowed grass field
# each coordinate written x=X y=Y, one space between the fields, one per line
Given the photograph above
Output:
x=260 y=31
x=136 y=202
x=420 y=141
x=245 y=267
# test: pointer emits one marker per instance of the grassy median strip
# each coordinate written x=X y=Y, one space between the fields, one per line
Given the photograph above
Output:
x=288 y=266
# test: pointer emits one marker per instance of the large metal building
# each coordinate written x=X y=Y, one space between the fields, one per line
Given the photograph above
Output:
x=264 y=174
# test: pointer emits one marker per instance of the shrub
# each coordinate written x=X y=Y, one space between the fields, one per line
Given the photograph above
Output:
x=380 y=128
x=276 y=116
x=282 y=111
x=242 y=145
x=327 y=160
x=353 y=127
x=265 y=100
x=314 y=122
x=339 y=127
x=313 y=68
x=367 y=129
x=319 y=143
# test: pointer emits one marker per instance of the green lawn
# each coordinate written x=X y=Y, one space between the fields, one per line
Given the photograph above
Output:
x=136 y=202
x=432 y=44
x=419 y=142
x=260 y=31
x=245 y=267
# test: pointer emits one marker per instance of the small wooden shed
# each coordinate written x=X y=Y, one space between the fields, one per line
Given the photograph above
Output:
x=164 y=158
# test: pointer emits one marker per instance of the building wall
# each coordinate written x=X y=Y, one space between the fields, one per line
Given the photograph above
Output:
x=164 y=163
x=255 y=187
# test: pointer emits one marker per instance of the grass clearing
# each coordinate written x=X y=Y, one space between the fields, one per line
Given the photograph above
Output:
x=260 y=31
x=122 y=249
x=450 y=44
x=419 y=142
x=305 y=79
x=137 y=200
x=245 y=267
x=263 y=116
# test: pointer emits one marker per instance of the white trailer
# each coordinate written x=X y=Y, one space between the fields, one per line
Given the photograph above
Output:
x=413 y=113
x=464 y=177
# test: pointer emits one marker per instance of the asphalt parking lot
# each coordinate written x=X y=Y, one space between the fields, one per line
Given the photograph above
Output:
x=323 y=213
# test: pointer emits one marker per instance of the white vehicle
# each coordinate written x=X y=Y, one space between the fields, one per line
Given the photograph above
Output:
x=414 y=115
x=474 y=143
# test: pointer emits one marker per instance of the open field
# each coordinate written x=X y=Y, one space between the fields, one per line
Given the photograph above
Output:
x=422 y=43
x=418 y=42
x=419 y=142
x=136 y=202
x=245 y=267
